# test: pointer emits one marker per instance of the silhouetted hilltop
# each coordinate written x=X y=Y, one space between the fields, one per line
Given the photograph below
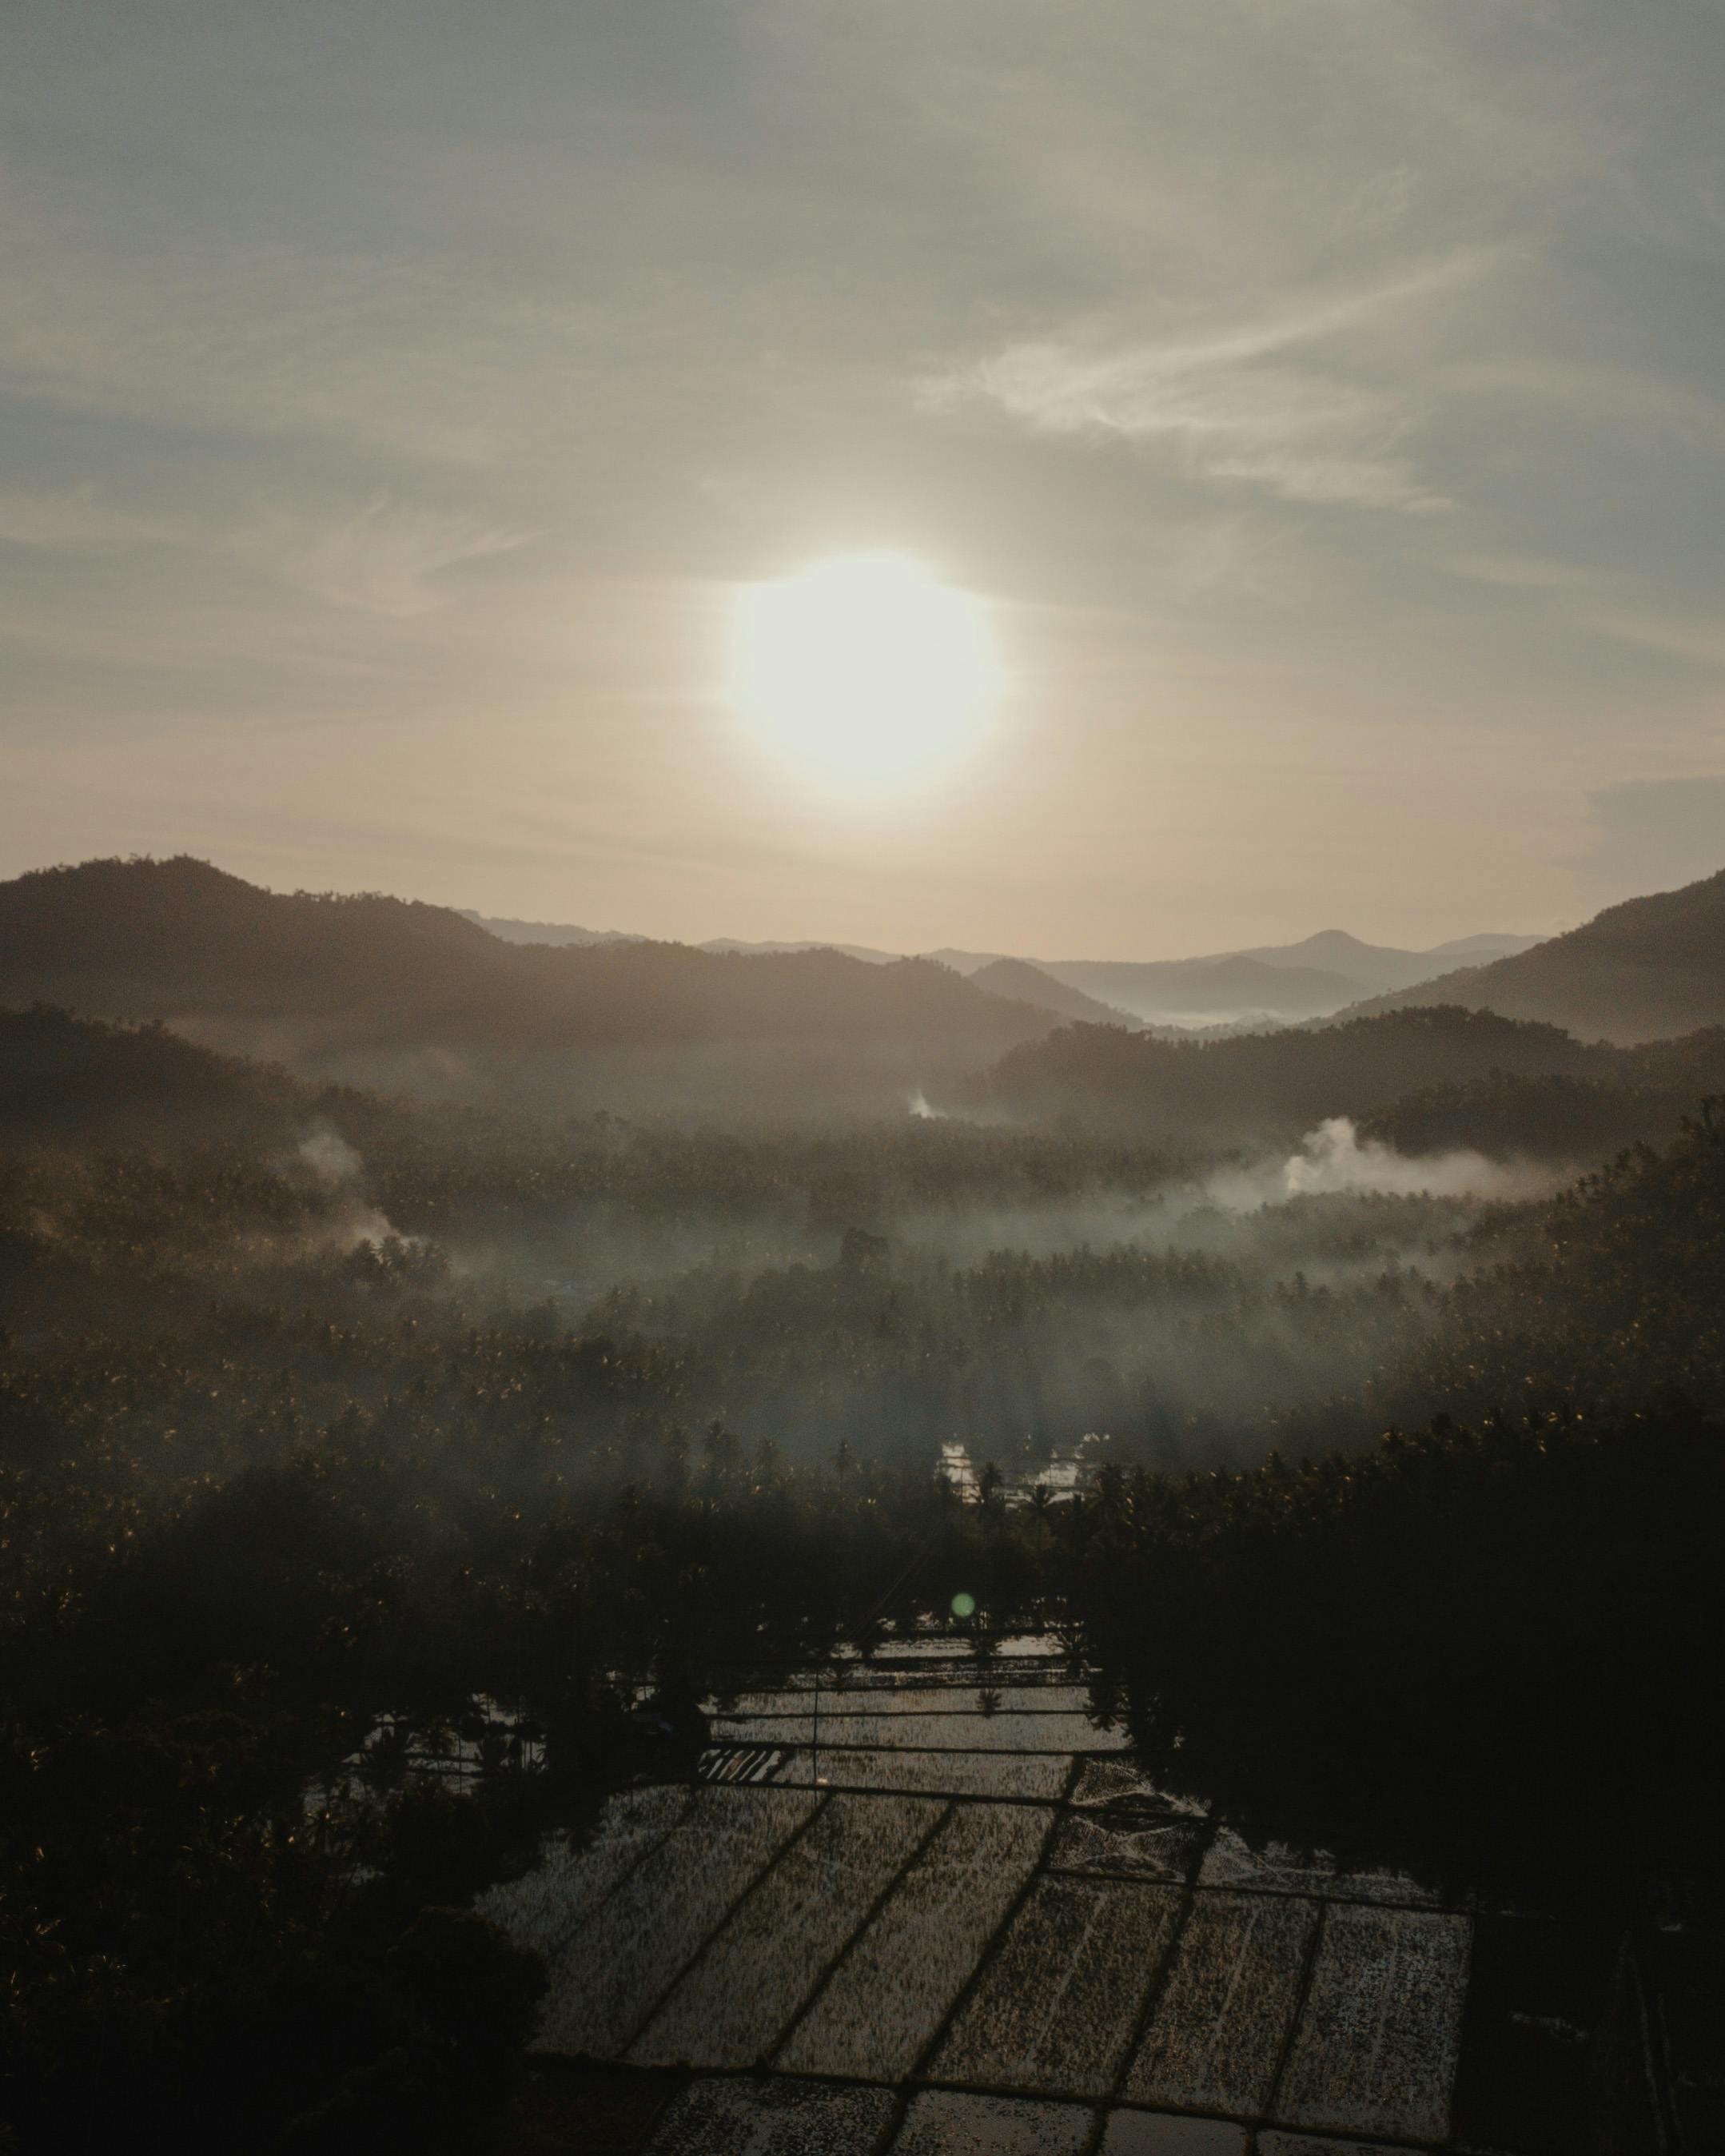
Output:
x=389 y=991
x=731 y=946
x=1319 y=975
x=1234 y=986
x=1312 y=979
x=76 y=1080
x=1641 y=1096
x=139 y=929
x=1644 y=970
x=1261 y=1084
x=1019 y=980
x=508 y=930
x=1382 y=967
x=1480 y=949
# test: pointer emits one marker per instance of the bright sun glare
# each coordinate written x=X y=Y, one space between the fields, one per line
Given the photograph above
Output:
x=864 y=671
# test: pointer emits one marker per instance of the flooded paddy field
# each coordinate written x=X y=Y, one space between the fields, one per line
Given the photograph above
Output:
x=952 y=1918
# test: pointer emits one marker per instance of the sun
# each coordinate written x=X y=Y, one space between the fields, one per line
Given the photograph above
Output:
x=865 y=672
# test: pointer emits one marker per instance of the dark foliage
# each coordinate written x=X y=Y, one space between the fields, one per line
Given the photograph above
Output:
x=416 y=994
x=1474 y=1650
x=1426 y=1078
x=284 y=1461
x=1640 y=1095
x=1267 y=1085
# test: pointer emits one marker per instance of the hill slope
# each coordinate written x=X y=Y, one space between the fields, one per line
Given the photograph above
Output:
x=508 y=930
x=68 y=1081
x=1645 y=970
x=1176 y=990
x=382 y=990
x=1276 y=1084
x=1381 y=968
x=1020 y=982
x=1312 y=979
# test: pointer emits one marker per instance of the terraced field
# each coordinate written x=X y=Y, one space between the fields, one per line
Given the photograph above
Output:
x=941 y=1916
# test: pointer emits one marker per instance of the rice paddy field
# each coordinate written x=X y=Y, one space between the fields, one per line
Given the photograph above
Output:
x=944 y=1915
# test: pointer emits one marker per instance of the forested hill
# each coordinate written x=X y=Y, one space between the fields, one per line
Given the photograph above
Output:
x=383 y=990
x=77 y=1082
x=1459 y=1076
x=1645 y=970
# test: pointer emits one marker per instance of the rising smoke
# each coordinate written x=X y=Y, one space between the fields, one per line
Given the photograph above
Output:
x=338 y=1168
x=1334 y=1158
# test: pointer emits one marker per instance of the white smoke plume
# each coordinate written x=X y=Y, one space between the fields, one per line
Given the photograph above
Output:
x=330 y=1158
x=336 y=1165
x=1333 y=1158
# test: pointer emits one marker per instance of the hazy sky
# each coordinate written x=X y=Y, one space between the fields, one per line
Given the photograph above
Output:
x=1328 y=396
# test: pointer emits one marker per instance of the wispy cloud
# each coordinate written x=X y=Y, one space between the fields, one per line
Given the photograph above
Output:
x=1595 y=393
x=1600 y=603
x=385 y=559
x=1699 y=643
x=1653 y=835
x=1520 y=573
x=72 y=521
x=404 y=353
x=1269 y=402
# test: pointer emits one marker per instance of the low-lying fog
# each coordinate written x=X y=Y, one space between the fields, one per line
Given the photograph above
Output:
x=893 y=1286
x=1186 y=1313
x=1260 y=1213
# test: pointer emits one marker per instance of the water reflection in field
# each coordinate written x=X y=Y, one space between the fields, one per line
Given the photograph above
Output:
x=1101 y=1949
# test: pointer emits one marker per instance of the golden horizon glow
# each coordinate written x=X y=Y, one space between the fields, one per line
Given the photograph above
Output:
x=865 y=672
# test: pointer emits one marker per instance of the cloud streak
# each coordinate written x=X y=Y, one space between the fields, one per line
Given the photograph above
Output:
x=1264 y=404
x=385 y=559
x=73 y=521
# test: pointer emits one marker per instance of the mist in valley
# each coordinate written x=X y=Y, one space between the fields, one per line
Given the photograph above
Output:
x=1032 y=1456
x=1184 y=1314
x=358 y=1435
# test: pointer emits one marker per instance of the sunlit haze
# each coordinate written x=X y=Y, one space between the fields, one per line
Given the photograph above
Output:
x=1327 y=404
x=862 y=1077
x=864 y=672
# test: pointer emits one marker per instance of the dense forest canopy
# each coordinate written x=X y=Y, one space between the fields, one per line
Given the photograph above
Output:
x=1257 y=1085
x=1393 y=1352
x=890 y=1284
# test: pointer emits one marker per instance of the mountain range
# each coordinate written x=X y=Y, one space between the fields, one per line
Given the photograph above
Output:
x=1645 y=970
x=1634 y=999
x=1311 y=978
x=1279 y=983
x=1459 y=1076
x=393 y=993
